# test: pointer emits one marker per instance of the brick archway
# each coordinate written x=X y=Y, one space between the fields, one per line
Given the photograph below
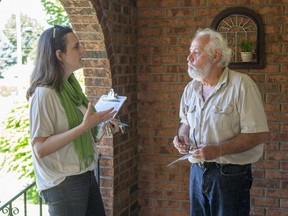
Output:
x=85 y=23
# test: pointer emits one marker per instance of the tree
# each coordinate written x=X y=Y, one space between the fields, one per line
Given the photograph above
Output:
x=55 y=10
x=30 y=31
x=7 y=53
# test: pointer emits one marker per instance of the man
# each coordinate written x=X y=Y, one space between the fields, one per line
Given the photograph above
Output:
x=223 y=125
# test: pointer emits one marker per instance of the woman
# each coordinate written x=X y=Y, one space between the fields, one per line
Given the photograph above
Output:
x=64 y=128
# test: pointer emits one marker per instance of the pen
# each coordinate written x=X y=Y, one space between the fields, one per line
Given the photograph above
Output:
x=121 y=123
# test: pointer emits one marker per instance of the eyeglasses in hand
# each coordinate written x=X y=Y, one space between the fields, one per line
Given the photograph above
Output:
x=190 y=148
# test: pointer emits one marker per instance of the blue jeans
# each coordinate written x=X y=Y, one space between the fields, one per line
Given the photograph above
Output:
x=77 y=195
x=220 y=190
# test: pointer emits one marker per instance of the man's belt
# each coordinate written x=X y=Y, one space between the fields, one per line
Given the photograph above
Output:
x=206 y=165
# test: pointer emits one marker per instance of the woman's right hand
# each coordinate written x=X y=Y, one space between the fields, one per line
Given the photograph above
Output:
x=92 y=119
x=44 y=146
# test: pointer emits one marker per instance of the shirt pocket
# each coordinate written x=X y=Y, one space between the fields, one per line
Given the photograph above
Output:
x=191 y=115
x=223 y=116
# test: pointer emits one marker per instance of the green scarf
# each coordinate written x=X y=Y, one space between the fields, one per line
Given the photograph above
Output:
x=72 y=96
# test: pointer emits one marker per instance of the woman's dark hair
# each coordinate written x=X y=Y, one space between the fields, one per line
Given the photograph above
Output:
x=48 y=70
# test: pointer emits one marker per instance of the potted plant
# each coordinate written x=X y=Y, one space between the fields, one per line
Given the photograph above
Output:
x=246 y=50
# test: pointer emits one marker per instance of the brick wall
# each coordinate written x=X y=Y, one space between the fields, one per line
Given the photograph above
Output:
x=139 y=48
x=165 y=31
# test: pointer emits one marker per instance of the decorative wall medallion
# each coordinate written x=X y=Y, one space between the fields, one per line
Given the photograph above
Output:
x=243 y=30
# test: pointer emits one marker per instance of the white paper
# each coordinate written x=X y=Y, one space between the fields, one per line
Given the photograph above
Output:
x=107 y=101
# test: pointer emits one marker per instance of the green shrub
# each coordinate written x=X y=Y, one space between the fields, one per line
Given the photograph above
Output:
x=15 y=146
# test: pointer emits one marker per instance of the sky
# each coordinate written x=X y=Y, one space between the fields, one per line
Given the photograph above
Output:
x=32 y=8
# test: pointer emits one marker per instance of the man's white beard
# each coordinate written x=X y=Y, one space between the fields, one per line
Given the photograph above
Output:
x=199 y=74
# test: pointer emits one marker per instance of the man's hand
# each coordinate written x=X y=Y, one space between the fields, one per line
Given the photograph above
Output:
x=182 y=144
x=207 y=152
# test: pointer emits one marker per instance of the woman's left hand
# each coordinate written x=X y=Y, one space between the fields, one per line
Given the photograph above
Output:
x=111 y=127
x=115 y=125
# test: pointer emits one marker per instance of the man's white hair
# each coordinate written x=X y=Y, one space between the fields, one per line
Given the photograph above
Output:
x=217 y=42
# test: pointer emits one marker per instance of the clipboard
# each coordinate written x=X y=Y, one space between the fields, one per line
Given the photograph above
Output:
x=110 y=100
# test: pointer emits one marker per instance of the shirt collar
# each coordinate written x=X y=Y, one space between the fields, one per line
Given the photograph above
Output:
x=223 y=81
